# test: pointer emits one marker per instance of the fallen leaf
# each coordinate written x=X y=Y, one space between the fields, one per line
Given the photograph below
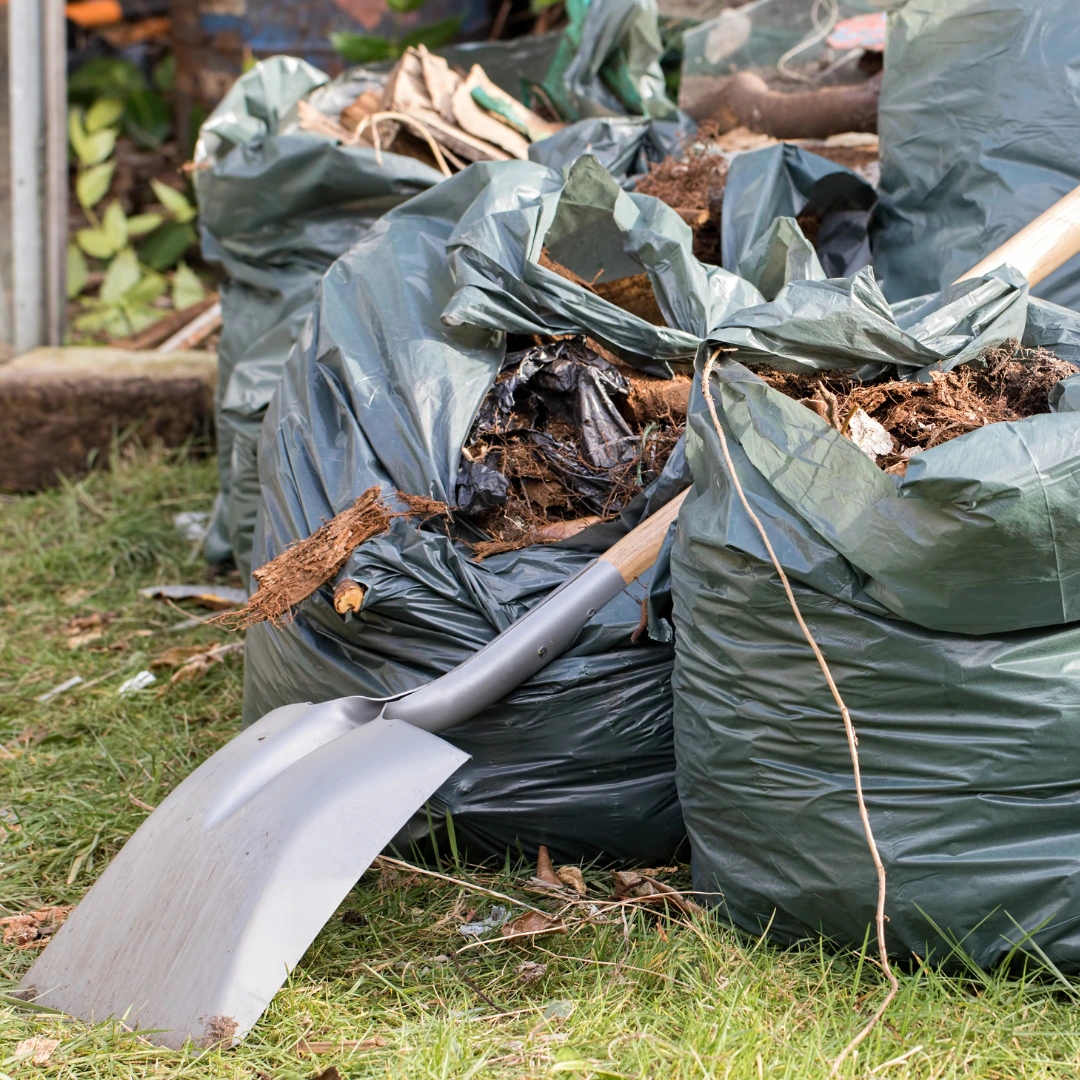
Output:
x=632 y=884
x=78 y=641
x=529 y=971
x=73 y=599
x=199 y=665
x=544 y=870
x=38 y=1049
x=532 y=922
x=311 y=1046
x=32 y=929
x=329 y=1074
x=571 y=875
x=79 y=624
x=176 y=656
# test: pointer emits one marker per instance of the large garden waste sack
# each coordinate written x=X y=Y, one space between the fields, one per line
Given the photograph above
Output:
x=277 y=206
x=279 y=202
x=946 y=601
x=383 y=389
x=979 y=122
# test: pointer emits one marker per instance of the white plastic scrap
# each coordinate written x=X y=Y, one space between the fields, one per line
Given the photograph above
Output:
x=194 y=524
x=495 y=919
x=868 y=435
x=57 y=690
x=137 y=682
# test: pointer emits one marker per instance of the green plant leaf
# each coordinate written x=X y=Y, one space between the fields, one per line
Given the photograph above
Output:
x=122 y=276
x=173 y=201
x=103 y=113
x=77 y=271
x=93 y=183
x=96 y=318
x=163 y=75
x=114 y=224
x=150 y=287
x=141 y=224
x=433 y=35
x=105 y=75
x=363 y=48
x=96 y=243
x=80 y=141
x=405 y=5
x=147 y=119
x=187 y=289
x=140 y=316
x=164 y=248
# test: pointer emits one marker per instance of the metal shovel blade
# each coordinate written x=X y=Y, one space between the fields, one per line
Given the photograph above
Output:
x=196 y=923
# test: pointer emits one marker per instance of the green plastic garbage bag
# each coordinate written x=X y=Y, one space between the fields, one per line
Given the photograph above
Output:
x=979 y=123
x=946 y=604
x=406 y=339
x=277 y=206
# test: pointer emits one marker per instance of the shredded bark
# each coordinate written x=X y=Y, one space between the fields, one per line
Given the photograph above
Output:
x=299 y=570
x=1006 y=383
x=694 y=188
x=422 y=506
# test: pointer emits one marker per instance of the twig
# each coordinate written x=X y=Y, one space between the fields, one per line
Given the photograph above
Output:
x=849 y=728
x=402 y=865
x=410 y=121
x=473 y=985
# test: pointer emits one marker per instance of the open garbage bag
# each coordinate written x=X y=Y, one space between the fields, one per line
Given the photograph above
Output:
x=403 y=345
x=277 y=206
x=980 y=132
x=946 y=602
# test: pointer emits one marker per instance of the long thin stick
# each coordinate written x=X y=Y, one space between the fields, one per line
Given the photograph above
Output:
x=849 y=728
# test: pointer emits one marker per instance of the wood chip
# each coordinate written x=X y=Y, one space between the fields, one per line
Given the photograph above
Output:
x=482 y=124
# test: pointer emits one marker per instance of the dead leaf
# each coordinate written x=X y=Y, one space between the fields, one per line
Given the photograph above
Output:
x=390 y=879
x=529 y=971
x=533 y=922
x=329 y=1074
x=38 y=1049
x=545 y=872
x=79 y=624
x=78 y=641
x=632 y=884
x=176 y=656
x=32 y=929
x=199 y=665
x=73 y=599
x=312 y=1046
x=571 y=875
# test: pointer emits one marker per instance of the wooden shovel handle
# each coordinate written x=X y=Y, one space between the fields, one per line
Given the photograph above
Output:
x=1038 y=249
x=637 y=551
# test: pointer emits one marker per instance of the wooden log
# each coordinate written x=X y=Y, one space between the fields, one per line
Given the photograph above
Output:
x=60 y=408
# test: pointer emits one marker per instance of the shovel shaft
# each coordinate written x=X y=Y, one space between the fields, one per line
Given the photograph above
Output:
x=541 y=636
x=1038 y=249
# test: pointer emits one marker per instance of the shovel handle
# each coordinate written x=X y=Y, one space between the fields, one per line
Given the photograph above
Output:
x=1038 y=249
x=538 y=637
x=637 y=551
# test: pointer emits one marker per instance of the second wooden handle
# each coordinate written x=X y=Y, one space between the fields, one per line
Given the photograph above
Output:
x=637 y=551
x=1038 y=249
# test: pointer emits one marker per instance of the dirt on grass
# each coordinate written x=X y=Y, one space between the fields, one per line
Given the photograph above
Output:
x=1010 y=383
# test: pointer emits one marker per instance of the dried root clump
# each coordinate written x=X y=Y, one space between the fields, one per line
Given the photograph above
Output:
x=895 y=420
x=565 y=438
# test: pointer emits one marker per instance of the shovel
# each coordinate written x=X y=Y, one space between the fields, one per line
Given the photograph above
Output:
x=196 y=923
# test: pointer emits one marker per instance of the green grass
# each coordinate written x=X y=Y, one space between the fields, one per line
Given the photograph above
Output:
x=652 y=996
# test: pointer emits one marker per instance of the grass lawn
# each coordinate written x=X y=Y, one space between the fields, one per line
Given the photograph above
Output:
x=627 y=993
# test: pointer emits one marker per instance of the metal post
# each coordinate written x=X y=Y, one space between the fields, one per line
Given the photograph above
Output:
x=36 y=69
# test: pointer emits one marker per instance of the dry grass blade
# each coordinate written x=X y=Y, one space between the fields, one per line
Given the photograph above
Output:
x=849 y=727
x=298 y=571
